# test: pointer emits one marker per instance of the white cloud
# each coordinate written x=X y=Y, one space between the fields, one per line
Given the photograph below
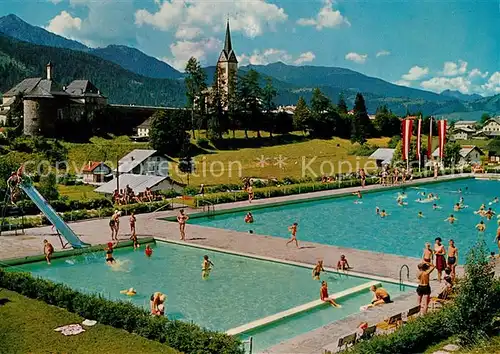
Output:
x=306 y=57
x=326 y=18
x=357 y=58
x=415 y=73
x=454 y=69
x=403 y=83
x=64 y=24
x=476 y=73
x=382 y=53
x=184 y=32
x=201 y=50
x=273 y=55
x=251 y=17
x=439 y=84
x=492 y=86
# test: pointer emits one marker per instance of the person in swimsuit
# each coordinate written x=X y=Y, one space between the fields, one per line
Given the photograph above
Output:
x=383 y=214
x=439 y=251
x=451 y=219
x=446 y=290
x=380 y=296
x=358 y=194
x=497 y=238
x=249 y=218
x=428 y=255
x=452 y=258
x=435 y=207
x=481 y=227
x=206 y=267
x=494 y=201
x=182 y=219
x=377 y=210
x=132 y=221
x=250 y=194
x=114 y=224
x=148 y=251
x=420 y=215
x=135 y=241
x=323 y=294
x=112 y=227
x=343 y=264
x=48 y=250
x=317 y=270
x=293 y=230
x=457 y=207
x=489 y=213
x=424 y=289
x=109 y=253
x=155 y=301
x=362 y=175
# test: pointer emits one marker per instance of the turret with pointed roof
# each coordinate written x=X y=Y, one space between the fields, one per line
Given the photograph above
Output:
x=227 y=63
x=227 y=54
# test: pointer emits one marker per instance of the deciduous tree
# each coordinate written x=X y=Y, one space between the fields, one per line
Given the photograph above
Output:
x=195 y=82
x=168 y=132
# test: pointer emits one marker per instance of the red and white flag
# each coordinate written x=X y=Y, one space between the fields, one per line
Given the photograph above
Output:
x=406 y=130
x=441 y=136
x=429 y=141
x=419 y=139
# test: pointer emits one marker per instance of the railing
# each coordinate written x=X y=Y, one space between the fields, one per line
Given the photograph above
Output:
x=209 y=208
x=401 y=284
x=249 y=341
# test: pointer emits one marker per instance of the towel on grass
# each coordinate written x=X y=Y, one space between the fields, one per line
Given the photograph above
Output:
x=89 y=323
x=70 y=330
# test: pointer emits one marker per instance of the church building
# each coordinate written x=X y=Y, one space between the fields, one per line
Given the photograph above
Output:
x=227 y=64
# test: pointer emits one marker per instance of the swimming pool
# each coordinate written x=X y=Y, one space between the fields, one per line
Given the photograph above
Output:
x=239 y=290
x=340 y=222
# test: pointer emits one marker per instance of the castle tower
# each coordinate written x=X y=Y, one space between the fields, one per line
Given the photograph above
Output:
x=50 y=71
x=227 y=64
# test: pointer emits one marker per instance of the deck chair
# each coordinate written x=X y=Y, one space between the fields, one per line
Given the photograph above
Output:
x=344 y=342
x=392 y=323
x=413 y=312
x=368 y=333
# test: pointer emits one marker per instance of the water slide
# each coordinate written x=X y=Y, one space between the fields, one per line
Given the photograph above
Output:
x=52 y=215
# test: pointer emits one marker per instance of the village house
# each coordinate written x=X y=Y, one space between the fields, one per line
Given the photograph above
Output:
x=95 y=172
x=382 y=156
x=469 y=124
x=462 y=133
x=143 y=128
x=468 y=155
x=143 y=162
x=492 y=127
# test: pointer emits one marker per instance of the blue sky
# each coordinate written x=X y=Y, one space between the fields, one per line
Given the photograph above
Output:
x=433 y=45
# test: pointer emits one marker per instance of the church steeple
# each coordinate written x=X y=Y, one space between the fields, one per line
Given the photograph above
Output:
x=228 y=55
x=227 y=44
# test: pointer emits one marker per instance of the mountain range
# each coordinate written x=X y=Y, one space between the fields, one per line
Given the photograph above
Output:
x=128 y=75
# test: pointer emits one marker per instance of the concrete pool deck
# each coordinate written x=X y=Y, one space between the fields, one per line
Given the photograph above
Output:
x=148 y=225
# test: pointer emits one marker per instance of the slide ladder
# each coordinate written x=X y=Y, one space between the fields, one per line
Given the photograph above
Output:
x=51 y=215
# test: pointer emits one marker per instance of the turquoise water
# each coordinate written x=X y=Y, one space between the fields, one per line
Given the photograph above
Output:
x=238 y=291
x=341 y=222
x=288 y=328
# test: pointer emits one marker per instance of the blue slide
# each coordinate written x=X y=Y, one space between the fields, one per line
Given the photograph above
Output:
x=52 y=215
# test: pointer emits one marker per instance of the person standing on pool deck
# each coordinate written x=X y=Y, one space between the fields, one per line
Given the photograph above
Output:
x=323 y=294
x=293 y=230
x=250 y=193
x=435 y=170
x=424 y=289
x=428 y=255
x=182 y=219
x=132 y=221
x=439 y=251
x=362 y=175
x=452 y=258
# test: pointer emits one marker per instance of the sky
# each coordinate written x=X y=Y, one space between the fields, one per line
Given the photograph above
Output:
x=433 y=45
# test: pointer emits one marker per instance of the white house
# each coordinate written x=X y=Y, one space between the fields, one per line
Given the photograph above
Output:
x=144 y=162
x=469 y=155
x=462 y=133
x=382 y=156
x=469 y=124
x=143 y=128
x=139 y=183
x=492 y=126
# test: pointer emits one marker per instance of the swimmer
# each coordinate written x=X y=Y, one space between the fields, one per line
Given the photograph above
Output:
x=457 y=207
x=317 y=270
x=459 y=190
x=129 y=292
x=435 y=207
x=461 y=201
x=383 y=214
x=401 y=203
x=343 y=264
x=481 y=227
x=323 y=294
x=206 y=267
x=420 y=215
x=148 y=251
x=109 y=253
x=249 y=218
x=293 y=230
x=358 y=194
x=489 y=213
x=494 y=201
x=451 y=219
x=48 y=250
x=377 y=210
x=428 y=255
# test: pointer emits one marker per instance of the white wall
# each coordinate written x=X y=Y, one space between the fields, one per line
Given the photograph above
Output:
x=143 y=132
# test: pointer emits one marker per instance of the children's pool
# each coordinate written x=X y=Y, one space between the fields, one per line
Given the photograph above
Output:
x=239 y=289
x=341 y=222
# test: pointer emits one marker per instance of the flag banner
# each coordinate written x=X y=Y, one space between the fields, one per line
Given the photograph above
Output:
x=429 y=141
x=441 y=136
x=419 y=139
x=406 y=131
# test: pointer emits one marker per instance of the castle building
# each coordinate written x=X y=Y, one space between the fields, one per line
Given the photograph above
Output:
x=227 y=64
x=45 y=102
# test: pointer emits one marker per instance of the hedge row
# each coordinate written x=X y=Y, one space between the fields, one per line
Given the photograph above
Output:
x=84 y=214
x=185 y=337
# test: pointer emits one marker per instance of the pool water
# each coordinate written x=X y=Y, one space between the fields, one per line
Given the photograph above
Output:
x=341 y=222
x=239 y=289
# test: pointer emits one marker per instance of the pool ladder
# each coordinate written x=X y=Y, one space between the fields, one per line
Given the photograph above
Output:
x=209 y=208
x=401 y=285
x=249 y=341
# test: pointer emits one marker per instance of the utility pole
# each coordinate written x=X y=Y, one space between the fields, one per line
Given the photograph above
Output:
x=117 y=175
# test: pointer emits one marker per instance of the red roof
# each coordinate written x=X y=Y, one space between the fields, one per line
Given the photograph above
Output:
x=91 y=166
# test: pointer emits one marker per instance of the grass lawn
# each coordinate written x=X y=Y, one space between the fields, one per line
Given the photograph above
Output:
x=27 y=326
x=79 y=192
x=492 y=345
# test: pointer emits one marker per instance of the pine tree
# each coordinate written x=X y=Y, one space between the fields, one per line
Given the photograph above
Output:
x=249 y=94
x=341 y=105
x=301 y=116
x=268 y=95
x=361 y=124
x=216 y=115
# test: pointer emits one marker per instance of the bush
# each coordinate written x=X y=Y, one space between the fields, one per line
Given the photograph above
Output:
x=363 y=150
x=185 y=337
x=203 y=143
x=48 y=187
